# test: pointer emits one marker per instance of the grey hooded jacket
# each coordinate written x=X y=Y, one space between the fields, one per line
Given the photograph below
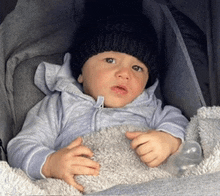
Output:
x=67 y=113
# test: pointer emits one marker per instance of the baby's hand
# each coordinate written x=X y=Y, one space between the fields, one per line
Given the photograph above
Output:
x=70 y=161
x=153 y=147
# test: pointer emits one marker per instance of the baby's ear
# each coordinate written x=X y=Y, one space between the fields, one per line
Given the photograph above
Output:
x=80 y=79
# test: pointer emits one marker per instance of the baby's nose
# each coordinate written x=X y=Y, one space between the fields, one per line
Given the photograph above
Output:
x=123 y=73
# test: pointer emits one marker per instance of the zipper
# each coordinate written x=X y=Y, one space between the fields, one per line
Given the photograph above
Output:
x=99 y=106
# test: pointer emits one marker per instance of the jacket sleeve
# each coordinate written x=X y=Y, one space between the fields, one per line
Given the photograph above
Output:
x=169 y=119
x=30 y=148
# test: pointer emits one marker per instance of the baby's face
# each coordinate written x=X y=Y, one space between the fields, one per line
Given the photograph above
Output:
x=118 y=77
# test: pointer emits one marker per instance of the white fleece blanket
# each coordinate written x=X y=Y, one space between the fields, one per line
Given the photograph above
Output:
x=119 y=164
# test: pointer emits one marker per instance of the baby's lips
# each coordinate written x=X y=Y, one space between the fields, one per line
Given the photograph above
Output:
x=120 y=89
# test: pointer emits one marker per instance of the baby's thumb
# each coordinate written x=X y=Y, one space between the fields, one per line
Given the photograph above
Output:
x=132 y=135
x=75 y=143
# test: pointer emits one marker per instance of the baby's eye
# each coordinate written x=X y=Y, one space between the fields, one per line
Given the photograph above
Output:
x=137 y=68
x=110 y=60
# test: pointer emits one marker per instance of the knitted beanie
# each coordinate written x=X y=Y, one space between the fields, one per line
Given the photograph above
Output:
x=130 y=34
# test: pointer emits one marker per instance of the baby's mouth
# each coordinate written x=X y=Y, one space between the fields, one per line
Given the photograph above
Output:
x=120 y=89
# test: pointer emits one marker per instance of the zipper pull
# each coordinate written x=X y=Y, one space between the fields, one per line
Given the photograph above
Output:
x=99 y=102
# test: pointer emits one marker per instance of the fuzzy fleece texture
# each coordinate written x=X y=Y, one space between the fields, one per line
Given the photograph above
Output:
x=120 y=164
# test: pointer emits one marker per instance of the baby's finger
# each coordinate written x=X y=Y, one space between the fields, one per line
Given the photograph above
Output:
x=81 y=170
x=82 y=161
x=156 y=162
x=75 y=143
x=70 y=180
x=144 y=149
x=82 y=151
x=139 y=140
x=132 y=135
x=148 y=158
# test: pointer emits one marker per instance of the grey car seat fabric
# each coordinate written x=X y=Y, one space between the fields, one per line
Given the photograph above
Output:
x=179 y=83
x=6 y=7
x=206 y=14
x=196 y=44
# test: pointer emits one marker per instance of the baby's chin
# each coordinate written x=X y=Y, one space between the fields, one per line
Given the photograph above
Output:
x=116 y=101
x=115 y=104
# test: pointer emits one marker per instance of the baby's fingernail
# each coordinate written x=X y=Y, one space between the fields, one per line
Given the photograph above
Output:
x=96 y=173
x=97 y=165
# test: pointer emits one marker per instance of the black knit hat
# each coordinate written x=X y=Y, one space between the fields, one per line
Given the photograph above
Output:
x=130 y=34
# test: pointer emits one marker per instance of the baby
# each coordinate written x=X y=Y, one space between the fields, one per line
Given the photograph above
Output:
x=115 y=62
